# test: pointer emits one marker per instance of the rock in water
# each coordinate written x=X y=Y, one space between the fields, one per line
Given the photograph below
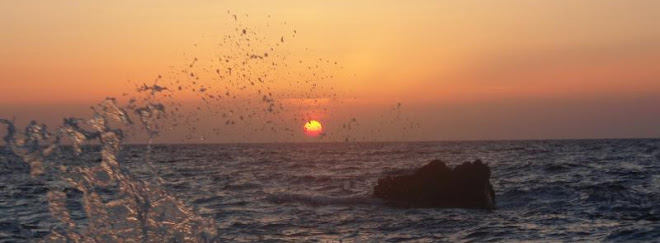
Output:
x=436 y=185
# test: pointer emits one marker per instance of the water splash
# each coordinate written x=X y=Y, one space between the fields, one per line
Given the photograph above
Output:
x=117 y=206
x=253 y=83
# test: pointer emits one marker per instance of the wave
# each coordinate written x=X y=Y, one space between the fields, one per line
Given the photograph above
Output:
x=319 y=200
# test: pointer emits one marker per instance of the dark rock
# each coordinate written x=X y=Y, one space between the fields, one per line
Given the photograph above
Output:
x=436 y=185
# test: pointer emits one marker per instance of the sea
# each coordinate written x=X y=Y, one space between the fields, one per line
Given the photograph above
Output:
x=546 y=191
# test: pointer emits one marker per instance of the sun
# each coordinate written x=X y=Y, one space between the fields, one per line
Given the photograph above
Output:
x=313 y=128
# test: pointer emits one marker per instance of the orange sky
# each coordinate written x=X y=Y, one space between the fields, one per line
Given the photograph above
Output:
x=430 y=55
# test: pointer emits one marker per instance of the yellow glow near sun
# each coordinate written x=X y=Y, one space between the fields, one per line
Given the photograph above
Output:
x=313 y=128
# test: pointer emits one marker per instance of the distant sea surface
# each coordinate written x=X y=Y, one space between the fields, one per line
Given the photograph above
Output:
x=566 y=190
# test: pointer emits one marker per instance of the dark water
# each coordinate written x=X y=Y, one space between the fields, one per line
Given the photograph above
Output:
x=578 y=190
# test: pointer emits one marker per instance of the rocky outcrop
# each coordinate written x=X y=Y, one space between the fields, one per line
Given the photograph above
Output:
x=436 y=185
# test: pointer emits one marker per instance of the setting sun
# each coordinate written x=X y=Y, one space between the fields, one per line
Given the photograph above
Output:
x=313 y=128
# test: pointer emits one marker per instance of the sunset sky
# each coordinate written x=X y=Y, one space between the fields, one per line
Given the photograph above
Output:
x=464 y=70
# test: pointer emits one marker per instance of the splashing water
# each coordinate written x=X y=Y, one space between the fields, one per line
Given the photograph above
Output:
x=239 y=86
x=117 y=206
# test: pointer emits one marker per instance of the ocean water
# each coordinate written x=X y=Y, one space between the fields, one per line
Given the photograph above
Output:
x=563 y=190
